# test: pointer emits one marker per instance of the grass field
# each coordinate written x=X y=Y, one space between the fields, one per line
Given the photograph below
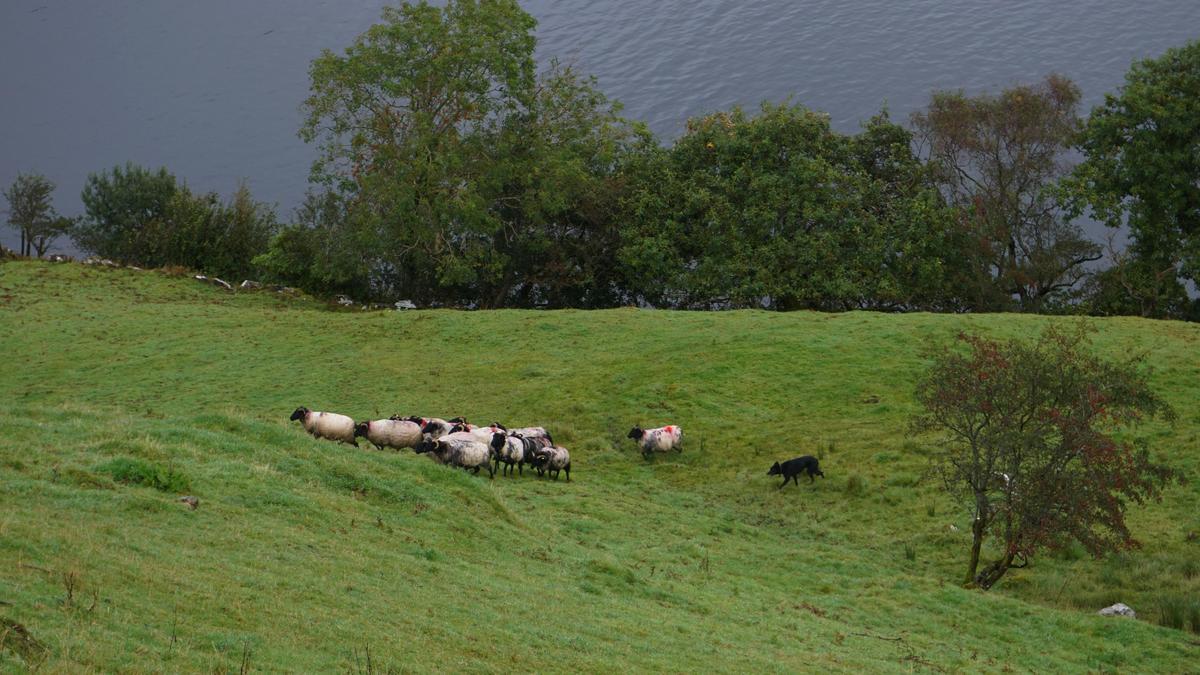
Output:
x=120 y=390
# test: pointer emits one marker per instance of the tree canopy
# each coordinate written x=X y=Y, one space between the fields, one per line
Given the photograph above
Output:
x=1141 y=168
x=1034 y=443
x=778 y=210
x=31 y=212
x=463 y=174
x=997 y=159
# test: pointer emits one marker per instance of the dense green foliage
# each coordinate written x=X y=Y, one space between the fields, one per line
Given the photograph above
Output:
x=121 y=206
x=31 y=212
x=303 y=554
x=1142 y=168
x=1029 y=447
x=452 y=172
x=780 y=211
x=140 y=217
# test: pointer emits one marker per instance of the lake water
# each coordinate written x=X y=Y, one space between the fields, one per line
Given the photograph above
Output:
x=212 y=89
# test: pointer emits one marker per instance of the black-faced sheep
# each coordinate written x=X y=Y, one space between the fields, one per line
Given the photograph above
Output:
x=331 y=426
x=553 y=459
x=390 y=433
x=513 y=449
x=662 y=439
x=461 y=450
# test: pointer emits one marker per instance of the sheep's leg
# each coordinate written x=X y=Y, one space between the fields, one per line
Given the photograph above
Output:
x=568 y=473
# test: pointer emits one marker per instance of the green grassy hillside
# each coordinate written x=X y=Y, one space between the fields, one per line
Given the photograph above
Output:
x=121 y=390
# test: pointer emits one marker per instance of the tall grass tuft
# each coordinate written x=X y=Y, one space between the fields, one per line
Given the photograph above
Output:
x=139 y=472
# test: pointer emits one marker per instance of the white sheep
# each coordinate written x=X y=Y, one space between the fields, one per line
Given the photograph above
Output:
x=328 y=425
x=460 y=449
x=662 y=439
x=390 y=433
x=553 y=459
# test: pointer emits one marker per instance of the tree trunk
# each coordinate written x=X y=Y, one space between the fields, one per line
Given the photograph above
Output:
x=23 y=242
x=976 y=544
x=992 y=573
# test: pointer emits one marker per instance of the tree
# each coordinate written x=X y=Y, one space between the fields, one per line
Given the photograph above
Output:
x=146 y=218
x=1141 y=167
x=463 y=176
x=317 y=250
x=201 y=232
x=1133 y=285
x=121 y=209
x=1033 y=443
x=996 y=159
x=31 y=212
x=778 y=210
x=403 y=120
x=556 y=190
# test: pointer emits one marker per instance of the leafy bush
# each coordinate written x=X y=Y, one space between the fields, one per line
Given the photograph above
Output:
x=145 y=218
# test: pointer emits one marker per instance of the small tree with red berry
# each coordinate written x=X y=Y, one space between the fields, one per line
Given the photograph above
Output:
x=1035 y=443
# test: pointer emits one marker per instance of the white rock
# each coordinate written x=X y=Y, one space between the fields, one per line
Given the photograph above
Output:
x=405 y=304
x=1119 y=609
x=248 y=285
x=343 y=300
x=222 y=284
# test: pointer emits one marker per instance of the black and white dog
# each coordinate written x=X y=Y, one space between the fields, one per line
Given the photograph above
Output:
x=794 y=467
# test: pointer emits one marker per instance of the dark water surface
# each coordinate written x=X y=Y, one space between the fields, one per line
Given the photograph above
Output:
x=211 y=89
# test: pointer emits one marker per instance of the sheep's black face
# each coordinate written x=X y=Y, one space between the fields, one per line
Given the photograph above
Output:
x=457 y=420
x=428 y=427
x=636 y=433
x=457 y=428
x=775 y=470
x=498 y=440
x=360 y=429
x=423 y=447
x=299 y=414
x=499 y=426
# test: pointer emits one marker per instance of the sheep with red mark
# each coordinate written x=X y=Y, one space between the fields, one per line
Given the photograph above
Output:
x=662 y=439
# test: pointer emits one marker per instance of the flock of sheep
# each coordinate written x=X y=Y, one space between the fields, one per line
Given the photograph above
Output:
x=457 y=443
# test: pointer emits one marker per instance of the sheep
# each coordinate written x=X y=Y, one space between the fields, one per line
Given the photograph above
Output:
x=390 y=433
x=327 y=425
x=513 y=449
x=461 y=450
x=481 y=434
x=435 y=427
x=553 y=459
x=533 y=432
x=662 y=439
